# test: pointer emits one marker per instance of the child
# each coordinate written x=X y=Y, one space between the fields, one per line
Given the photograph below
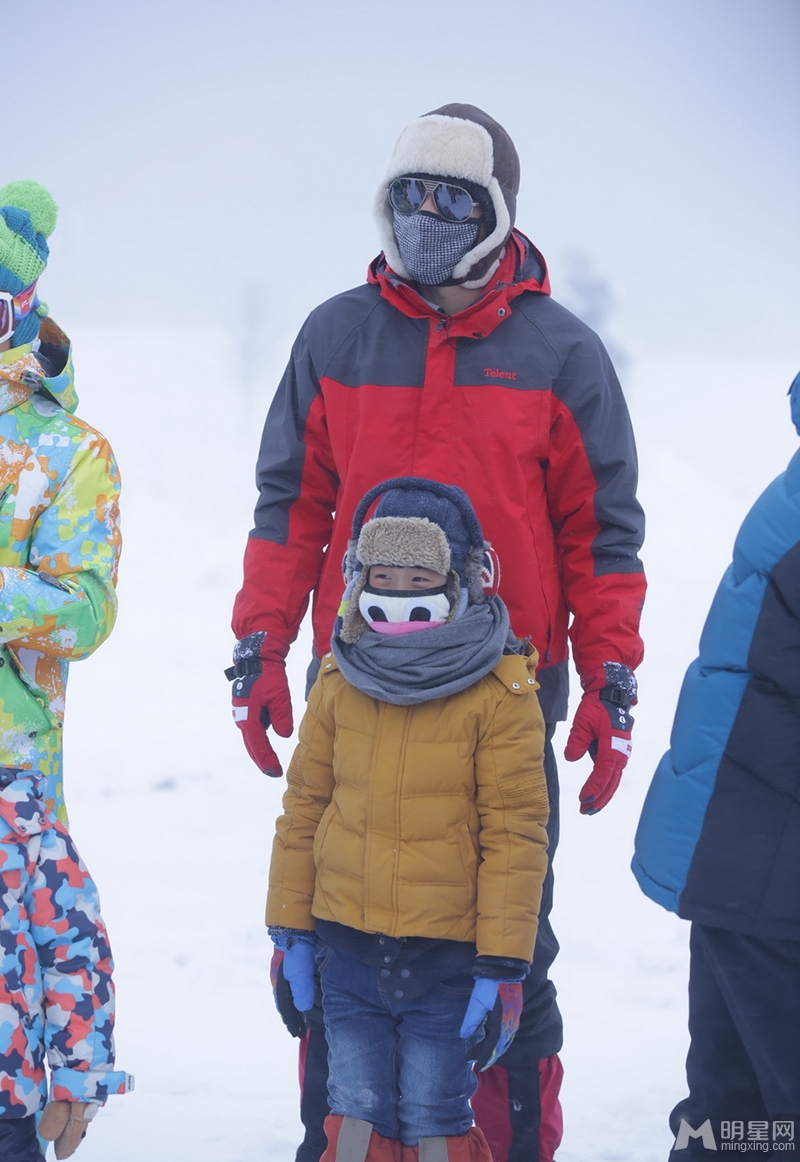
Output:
x=719 y=841
x=59 y=546
x=412 y=850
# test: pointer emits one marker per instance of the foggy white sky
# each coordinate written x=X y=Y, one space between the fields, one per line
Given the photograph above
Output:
x=216 y=162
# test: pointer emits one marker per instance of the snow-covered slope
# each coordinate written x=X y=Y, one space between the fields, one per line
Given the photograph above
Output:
x=175 y=822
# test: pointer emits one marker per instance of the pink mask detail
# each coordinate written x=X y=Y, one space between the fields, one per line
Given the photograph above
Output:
x=395 y=628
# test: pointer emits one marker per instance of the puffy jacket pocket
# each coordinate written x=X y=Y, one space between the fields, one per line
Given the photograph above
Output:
x=21 y=698
x=468 y=850
x=321 y=832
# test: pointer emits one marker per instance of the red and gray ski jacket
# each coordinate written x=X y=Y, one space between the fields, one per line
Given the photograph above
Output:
x=514 y=400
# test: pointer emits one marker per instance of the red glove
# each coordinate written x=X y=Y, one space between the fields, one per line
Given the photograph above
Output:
x=261 y=697
x=602 y=726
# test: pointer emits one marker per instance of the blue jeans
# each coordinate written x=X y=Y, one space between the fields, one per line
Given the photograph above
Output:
x=396 y=1063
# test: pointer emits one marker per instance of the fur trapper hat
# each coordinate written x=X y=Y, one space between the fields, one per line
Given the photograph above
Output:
x=457 y=142
x=405 y=541
x=416 y=522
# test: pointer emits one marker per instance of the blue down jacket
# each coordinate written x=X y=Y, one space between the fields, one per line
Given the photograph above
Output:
x=719 y=837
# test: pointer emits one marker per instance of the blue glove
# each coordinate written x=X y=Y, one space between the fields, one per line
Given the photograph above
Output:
x=298 y=964
x=294 y=1021
x=481 y=1003
x=505 y=996
x=298 y=968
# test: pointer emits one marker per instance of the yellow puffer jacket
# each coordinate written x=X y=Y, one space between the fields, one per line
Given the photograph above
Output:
x=425 y=820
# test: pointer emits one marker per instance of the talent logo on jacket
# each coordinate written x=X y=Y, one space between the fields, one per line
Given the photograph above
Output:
x=496 y=373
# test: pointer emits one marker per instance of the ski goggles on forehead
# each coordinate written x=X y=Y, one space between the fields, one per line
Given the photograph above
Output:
x=14 y=308
x=454 y=203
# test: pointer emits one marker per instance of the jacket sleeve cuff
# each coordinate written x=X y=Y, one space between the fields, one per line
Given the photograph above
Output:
x=502 y=968
x=284 y=938
x=88 y=1084
x=612 y=676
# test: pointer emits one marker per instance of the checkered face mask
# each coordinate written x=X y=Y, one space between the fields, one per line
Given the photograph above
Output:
x=431 y=247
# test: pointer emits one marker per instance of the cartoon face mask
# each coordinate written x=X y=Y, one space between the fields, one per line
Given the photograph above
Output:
x=397 y=611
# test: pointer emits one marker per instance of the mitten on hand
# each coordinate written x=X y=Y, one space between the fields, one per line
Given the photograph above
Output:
x=260 y=696
x=602 y=726
x=292 y=1018
x=495 y=1004
x=66 y=1123
x=298 y=964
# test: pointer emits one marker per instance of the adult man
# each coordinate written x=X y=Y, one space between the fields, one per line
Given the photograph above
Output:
x=454 y=363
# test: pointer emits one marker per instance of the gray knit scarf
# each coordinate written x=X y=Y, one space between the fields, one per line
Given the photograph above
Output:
x=434 y=663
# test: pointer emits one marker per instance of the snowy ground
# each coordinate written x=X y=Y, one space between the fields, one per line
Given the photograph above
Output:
x=176 y=823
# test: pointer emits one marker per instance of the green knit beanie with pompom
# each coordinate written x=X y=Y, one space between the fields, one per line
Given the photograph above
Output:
x=28 y=217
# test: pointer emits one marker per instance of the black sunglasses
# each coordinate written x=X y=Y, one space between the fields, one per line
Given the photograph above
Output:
x=454 y=203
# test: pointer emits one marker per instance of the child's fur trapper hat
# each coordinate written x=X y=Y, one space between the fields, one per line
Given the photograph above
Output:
x=416 y=522
x=405 y=541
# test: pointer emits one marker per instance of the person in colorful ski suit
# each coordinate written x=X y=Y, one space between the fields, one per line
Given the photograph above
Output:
x=718 y=841
x=454 y=363
x=59 y=548
x=412 y=849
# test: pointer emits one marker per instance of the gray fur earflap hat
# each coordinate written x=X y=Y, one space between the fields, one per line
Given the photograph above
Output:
x=459 y=142
x=416 y=522
x=405 y=541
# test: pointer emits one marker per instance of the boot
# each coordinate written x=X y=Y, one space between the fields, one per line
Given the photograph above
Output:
x=469 y=1147
x=354 y=1140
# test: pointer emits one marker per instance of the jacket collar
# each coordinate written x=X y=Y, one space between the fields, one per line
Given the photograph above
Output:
x=522 y=269
x=50 y=371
